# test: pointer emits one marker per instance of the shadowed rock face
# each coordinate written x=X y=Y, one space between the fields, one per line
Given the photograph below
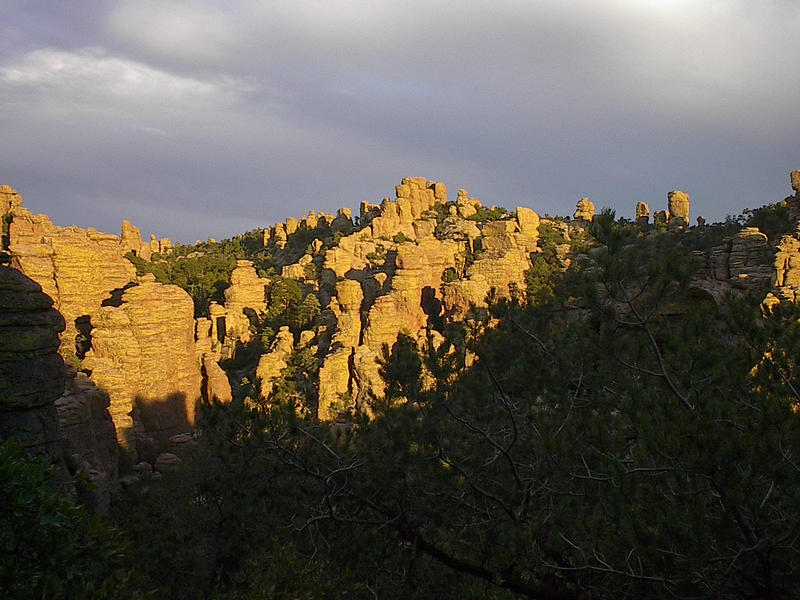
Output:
x=88 y=434
x=31 y=371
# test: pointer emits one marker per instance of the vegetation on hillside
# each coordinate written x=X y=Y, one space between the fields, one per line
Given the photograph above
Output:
x=614 y=433
x=50 y=546
x=618 y=436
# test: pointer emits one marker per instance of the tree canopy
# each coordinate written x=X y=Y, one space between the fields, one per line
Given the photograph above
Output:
x=619 y=435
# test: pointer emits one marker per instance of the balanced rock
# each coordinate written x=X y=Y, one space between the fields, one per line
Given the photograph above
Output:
x=678 y=205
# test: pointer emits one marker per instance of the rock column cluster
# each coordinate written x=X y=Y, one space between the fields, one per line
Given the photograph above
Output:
x=143 y=354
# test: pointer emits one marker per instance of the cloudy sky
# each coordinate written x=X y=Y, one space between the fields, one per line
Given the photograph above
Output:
x=209 y=118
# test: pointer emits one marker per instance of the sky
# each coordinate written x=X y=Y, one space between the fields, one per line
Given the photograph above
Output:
x=210 y=118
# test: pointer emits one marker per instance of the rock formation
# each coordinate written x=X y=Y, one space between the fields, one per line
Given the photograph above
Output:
x=390 y=277
x=143 y=354
x=787 y=267
x=743 y=263
x=642 y=214
x=32 y=373
x=271 y=365
x=584 y=210
x=216 y=387
x=793 y=202
x=88 y=434
x=77 y=268
x=245 y=300
x=678 y=209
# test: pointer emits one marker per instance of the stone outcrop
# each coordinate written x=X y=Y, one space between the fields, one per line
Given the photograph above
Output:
x=584 y=210
x=143 y=354
x=642 y=213
x=743 y=263
x=389 y=276
x=131 y=241
x=415 y=196
x=245 y=301
x=793 y=202
x=88 y=435
x=787 y=268
x=335 y=371
x=216 y=387
x=77 y=268
x=32 y=373
x=271 y=365
x=678 y=209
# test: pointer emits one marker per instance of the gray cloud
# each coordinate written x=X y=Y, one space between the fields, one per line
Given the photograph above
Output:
x=209 y=118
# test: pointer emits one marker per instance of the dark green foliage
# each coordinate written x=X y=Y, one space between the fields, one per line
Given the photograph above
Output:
x=205 y=276
x=401 y=369
x=449 y=275
x=4 y=234
x=771 y=219
x=298 y=385
x=546 y=266
x=618 y=435
x=204 y=269
x=400 y=238
x=495 y=213
x=440 y=211
x=50 y=547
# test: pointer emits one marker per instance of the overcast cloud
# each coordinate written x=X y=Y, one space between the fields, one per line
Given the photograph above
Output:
x=210 y=118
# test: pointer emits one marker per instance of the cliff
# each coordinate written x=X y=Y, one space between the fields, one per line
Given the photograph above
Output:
x=143 y=354
x=32 y=373
x=138 y=338
x=416 y=263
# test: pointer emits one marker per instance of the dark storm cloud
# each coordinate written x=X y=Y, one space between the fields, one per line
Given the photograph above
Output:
x=209 y=118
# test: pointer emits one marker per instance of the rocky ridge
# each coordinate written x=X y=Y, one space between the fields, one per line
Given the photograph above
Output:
x=408 y=264
x=85 y=274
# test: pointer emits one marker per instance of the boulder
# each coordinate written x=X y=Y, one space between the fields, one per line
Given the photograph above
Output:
x=584 y=210
x=678 y=205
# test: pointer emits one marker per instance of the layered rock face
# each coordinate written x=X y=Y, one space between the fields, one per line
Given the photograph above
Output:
x=32 y=373
x=743 y=263
x=143 y=354
x=787 y=268
x=77 y=268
